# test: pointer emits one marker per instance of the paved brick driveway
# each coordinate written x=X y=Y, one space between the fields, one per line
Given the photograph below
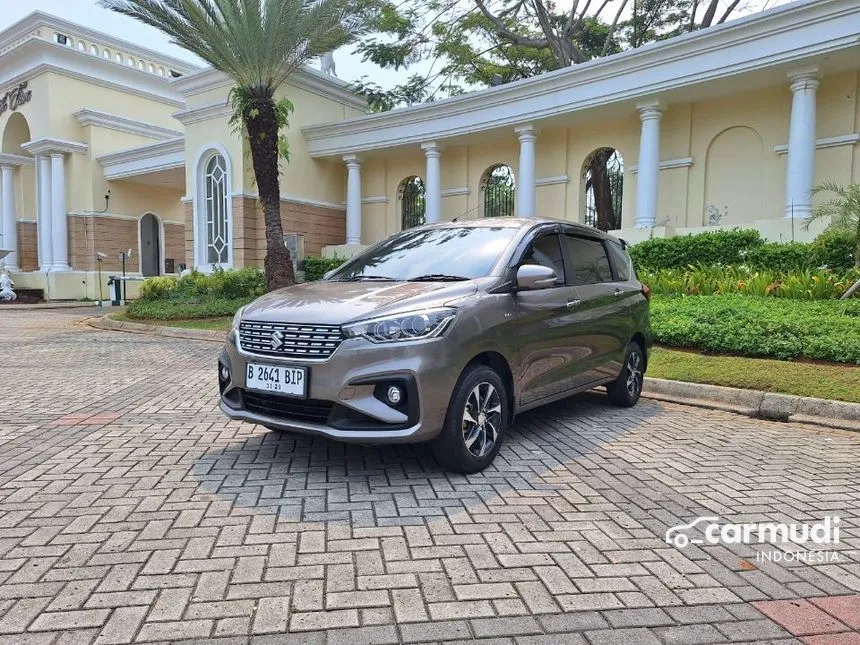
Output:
x=131 y=511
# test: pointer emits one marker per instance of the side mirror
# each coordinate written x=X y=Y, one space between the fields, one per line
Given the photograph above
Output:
x=535 y=276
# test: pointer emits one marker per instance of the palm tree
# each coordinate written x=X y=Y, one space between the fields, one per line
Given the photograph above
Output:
x=843 y=210
x=258 y=44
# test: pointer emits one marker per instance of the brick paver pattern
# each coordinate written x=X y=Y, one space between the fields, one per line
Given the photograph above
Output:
x=131 y=510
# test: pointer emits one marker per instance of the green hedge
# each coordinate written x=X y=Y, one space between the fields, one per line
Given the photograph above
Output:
x=755 y=326
x=232 y=283
x=172 y=309
x=316 y=268
x=745 y=246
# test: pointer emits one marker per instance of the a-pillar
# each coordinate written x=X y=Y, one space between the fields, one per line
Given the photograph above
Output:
x=353 y=199
x=800 y=167
x=526 y=187
x=648 y=179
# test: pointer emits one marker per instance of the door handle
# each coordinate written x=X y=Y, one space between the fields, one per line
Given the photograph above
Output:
x=617 y=291
x=573 y=302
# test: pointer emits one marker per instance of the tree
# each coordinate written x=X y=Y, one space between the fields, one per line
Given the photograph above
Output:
x=258 y=44
x=479 y=43
x=843 y=213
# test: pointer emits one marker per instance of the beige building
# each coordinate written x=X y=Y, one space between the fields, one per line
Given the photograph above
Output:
x=726 y=127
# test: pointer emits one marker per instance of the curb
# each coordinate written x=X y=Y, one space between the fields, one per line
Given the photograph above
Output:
x=108 y=323
x=757 y=404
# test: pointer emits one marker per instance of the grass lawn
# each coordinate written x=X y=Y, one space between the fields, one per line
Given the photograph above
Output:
x=822 y=380
x=221 y=322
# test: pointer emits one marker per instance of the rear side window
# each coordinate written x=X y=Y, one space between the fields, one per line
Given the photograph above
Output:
x=588 y=260
x=620 y=261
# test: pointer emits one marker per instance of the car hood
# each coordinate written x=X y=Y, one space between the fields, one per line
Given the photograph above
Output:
x=334 y=303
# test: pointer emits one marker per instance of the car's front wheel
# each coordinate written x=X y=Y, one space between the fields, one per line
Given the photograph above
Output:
x=625 y=390
x=475 y=423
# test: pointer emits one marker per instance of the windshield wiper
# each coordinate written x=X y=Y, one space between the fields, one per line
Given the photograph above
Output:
x=359 y=278
x=438 y=277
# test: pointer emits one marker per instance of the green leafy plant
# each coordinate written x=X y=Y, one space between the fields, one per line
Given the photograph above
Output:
x=713 y=247
x=258 y=44
x=842 y=210
x=316 y=267
x=758 y=326
x=803 y=284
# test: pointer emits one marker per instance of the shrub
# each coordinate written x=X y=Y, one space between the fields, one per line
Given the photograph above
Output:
x=233 y=283
x=805 y=284
x=713 y=247
x=173 y=309
x=834 y=249
x=754 y=326
x=316 y=268
x=780 y=257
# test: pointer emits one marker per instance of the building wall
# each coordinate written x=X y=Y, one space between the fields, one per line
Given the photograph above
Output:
x=731 y=140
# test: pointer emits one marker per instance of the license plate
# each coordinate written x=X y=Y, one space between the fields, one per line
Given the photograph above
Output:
x=277 y=378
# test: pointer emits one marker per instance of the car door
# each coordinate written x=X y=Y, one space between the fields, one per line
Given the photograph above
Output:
x=548 y=363
x=601 y=318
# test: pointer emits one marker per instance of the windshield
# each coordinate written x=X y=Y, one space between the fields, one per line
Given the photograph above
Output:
x=460 y=253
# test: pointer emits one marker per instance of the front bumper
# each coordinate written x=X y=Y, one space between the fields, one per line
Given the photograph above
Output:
x=345 y=398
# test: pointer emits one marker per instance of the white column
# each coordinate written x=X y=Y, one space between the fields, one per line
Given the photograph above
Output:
x=800 y=168
x=353 y=199
x=59 y=226
x=648 y=179
x=432 y=183
x=7 y=215
x=525 y=186
x=46 y=251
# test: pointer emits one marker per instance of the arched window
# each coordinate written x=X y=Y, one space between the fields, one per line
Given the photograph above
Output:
x=82 y=46
x=130 y=61
x=216 y=232
x=499 y=190
x=412 y=204
x=106 y=54
x=603 y=175
x=141 y=65
x=94 y=50
x=118 y=58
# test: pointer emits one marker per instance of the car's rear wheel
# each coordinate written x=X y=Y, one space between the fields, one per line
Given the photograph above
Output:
x=625 y=390
x=475 y=423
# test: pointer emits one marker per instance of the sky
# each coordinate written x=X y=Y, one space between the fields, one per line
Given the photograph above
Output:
x=349 y=66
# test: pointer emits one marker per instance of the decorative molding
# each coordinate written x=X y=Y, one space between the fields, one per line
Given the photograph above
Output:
x=292 y=198
x=681 y=162
x=105 y=215
x=203 y=113
x=787 y=35
x=550 y=181
x=304 y=78
x=35 y=56
x=374 y=199
x=7 y=159
x=118 y=123
x=452 y=192
x=33 y=23
x=47 y=145
x=143 y=160
x=827 y=142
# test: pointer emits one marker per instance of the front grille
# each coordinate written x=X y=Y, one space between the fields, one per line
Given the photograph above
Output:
x=294 y=340
x=274 y=405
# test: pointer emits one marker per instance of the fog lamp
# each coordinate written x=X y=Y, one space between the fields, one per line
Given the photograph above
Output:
x=394 y=394
x=225 y=373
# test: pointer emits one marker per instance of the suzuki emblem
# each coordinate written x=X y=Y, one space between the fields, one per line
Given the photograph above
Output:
x=277 y=339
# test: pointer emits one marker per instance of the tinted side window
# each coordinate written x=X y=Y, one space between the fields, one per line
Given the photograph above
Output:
x=589 y=263
x=546 y=251
x=620 y=261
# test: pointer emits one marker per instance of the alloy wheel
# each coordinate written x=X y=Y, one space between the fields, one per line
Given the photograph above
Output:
x=482 y=419
x=634 y=374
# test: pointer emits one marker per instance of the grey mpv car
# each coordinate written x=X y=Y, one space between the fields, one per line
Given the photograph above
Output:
x=442 y=333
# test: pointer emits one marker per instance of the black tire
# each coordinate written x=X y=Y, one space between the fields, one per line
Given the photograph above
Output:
x=466 y=443
x=625 y=389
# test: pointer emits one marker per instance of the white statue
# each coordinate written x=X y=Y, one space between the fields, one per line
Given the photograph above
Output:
x=6 y=284
x=327 y=64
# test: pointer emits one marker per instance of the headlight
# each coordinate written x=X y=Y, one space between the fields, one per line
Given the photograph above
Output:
x=237 y=318
x=416 y=325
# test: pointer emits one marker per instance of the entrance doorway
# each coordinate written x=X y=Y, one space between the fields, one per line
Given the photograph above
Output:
x=150 y=245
